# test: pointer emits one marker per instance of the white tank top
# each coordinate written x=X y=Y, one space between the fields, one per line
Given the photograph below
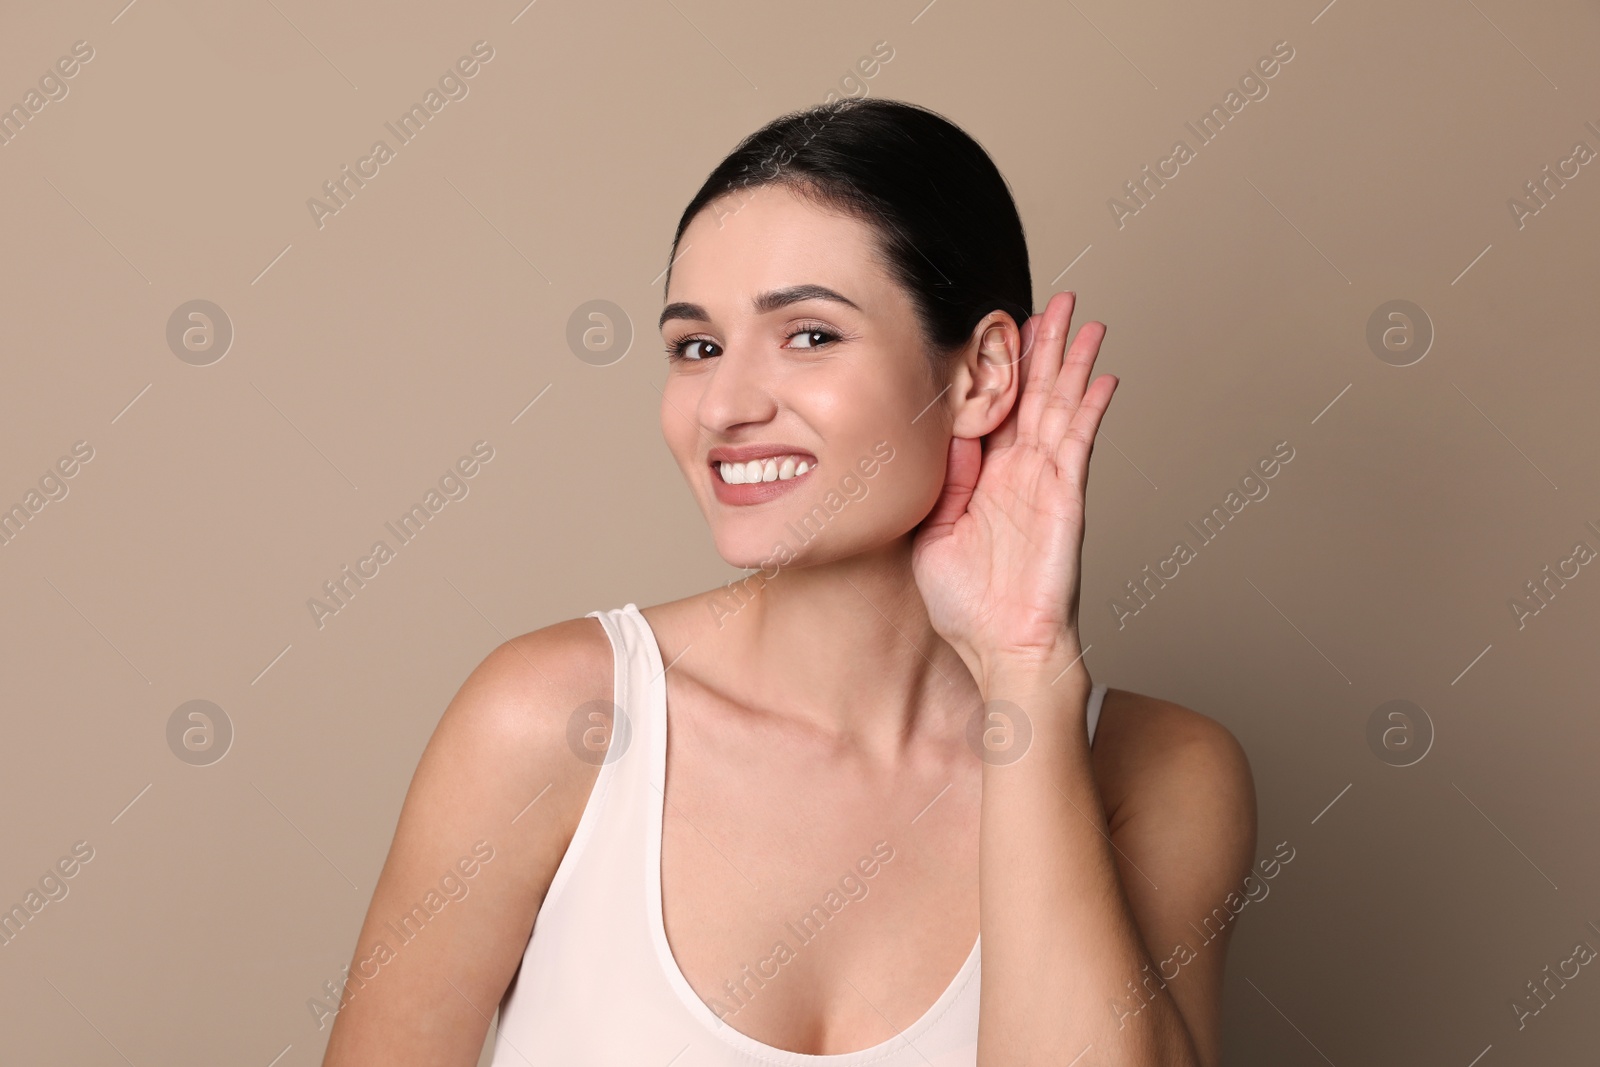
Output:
x=598 y=985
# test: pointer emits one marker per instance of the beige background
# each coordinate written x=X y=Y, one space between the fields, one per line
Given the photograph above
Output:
x=432 y=310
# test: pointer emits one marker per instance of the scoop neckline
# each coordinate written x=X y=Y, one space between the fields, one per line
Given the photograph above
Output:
x=656 y=919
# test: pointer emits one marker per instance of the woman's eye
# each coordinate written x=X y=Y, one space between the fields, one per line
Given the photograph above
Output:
x=681 y=350
x=815 y=337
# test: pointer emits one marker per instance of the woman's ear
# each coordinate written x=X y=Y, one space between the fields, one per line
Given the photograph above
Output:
x=985 y=379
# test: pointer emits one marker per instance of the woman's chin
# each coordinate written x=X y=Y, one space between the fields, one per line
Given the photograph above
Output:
x=756 y=553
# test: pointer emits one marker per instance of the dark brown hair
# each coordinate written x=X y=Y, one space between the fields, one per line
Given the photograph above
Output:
x=948 y=228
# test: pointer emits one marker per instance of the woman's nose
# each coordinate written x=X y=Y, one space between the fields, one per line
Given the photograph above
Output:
x=738 y=390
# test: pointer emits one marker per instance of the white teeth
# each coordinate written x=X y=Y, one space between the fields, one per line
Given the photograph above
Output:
x=772 y=469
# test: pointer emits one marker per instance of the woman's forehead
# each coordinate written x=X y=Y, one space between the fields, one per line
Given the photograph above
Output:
x=766 y=249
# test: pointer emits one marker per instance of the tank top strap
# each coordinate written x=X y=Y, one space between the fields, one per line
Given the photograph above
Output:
x=622 y=745
x=619 y=739
x=1097 y=696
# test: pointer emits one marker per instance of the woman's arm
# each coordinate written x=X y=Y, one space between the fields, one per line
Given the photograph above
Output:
x=1095 y=933
x=1069 y=927
x=471 y=859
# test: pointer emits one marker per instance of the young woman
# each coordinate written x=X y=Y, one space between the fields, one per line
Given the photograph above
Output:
x=773 y=823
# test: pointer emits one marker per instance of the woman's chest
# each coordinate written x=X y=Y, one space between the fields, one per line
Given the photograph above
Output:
x=814 y=904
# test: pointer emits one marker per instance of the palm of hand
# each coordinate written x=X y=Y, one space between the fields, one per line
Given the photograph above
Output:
x=998 y=559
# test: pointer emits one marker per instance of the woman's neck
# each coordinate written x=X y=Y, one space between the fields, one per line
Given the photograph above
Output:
x=844 y=645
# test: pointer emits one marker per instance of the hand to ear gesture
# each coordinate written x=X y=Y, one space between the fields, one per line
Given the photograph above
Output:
x=998 y=559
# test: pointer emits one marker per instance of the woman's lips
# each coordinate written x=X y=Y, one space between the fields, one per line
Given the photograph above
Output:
x=754 y=492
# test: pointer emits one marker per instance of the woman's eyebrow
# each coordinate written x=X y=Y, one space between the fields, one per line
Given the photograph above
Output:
x=763 y=303
x=779 y=298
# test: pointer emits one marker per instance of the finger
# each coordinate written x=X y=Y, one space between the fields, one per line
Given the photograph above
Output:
x=1079 y=365
x=1045 y=355
x=1072 y=456
x=960 y=478
x=1062 y=403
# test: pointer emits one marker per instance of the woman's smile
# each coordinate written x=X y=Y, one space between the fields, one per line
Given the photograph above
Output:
x=753 y=474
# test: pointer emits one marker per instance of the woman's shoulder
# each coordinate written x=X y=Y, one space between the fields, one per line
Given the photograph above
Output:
x=570 y=663
x=1152 y=718
x=507 y=727
x=1145 y=745
x=532 y=682
x=499 y=748
x=564 y=650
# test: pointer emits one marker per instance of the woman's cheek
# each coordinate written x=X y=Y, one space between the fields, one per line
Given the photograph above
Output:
x=677 y=428
x=908 y=479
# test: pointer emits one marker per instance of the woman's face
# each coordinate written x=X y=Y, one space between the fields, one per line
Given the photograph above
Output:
x=777 y=372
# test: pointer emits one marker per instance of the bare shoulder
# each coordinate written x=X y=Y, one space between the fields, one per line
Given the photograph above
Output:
x=1147 y=748
x=491 y=809
x=508 y=722
x=1181 y=809
x=525 y=684
x=506 y=736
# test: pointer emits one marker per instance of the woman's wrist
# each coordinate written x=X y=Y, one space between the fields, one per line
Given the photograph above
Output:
x=1060 y=661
